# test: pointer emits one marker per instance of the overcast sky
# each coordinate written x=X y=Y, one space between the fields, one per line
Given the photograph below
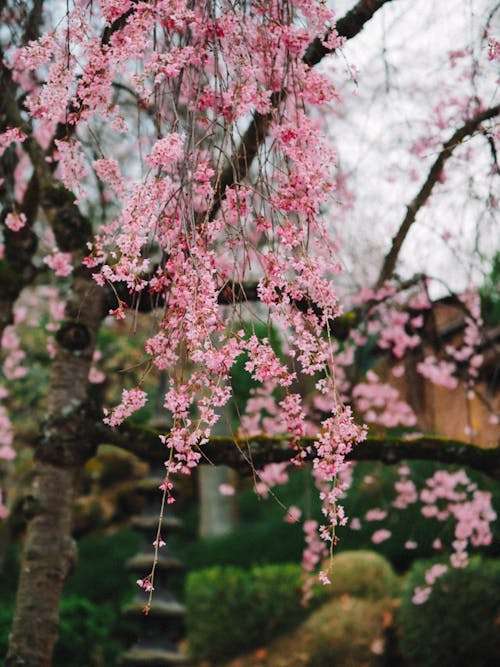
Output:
x=404 y=75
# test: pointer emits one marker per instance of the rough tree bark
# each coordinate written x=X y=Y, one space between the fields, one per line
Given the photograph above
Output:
x=49 y=551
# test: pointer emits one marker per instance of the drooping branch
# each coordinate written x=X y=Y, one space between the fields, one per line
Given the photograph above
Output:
x=237 y=169
x=245 y=454
x=423 y=195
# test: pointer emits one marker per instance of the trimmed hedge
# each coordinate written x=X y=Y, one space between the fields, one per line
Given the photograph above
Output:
x=459 y=623
x=231 y=610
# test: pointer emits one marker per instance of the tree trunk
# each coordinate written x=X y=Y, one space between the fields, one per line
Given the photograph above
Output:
x=63 y=448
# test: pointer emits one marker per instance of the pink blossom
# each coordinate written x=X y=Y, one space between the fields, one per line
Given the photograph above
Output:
x=145 y=584
x=132 y=400
x=410 y=544
x=438 y=372
x=159 y=543
x=108 y=171
x=323 y=577
x=381 y=536
x=493 y=49
x=9 y=136
x=271 y=475
x=226 y=490
x=421 y=595
x=380 y=403
x=60 y=263
x=71 y=163
x=355 y=524
x=293 y=514
x=15 y=221
x=375 y=514
x=167 y=151
x=96 y=376
x=434 y=573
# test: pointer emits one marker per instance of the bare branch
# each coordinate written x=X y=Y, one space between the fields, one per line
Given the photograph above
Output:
x=423 y=195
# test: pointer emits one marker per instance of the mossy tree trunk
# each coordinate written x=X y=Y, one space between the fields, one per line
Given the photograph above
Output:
x=63 y=448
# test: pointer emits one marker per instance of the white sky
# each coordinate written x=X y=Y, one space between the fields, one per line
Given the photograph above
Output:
x=404 y=72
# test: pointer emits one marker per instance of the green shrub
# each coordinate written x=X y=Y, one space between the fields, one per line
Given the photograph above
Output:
x=364 y=574
x=459 y=623
x=231 y=610
x=100 y=574
x=84 y=639
x=247 y=545
x=6 y=614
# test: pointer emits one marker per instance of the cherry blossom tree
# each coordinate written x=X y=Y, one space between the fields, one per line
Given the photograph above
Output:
x=182 y=159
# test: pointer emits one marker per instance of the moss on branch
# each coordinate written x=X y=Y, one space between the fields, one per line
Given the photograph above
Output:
x=243 y=454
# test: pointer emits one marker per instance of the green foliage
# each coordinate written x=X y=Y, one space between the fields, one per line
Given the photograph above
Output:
x=458 y=625
x=364 y=574
x=259 y=543
x=6 y=612
x=84 y=634
x=231 y=610
x=100 y=574
x=490 y=293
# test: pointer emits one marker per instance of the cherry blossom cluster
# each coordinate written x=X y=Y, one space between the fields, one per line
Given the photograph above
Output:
x=314 y=553
x=454 y=495
x=186 y=213
x=380 y=403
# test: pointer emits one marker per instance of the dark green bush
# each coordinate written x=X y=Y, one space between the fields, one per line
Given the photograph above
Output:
x=84 y=633
x=260 y=543
x=231 y=610
x=100 y=574
x=459 y=623
x=6 y=612
x=84 y=639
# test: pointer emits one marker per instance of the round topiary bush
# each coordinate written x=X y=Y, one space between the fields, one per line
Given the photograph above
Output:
x=459 y=624
x=348 y=631
x=364 y=574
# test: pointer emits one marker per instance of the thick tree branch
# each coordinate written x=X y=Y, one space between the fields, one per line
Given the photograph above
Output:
x=423 y=195
x=243 y=454
x=34 y=21
x=348 y=27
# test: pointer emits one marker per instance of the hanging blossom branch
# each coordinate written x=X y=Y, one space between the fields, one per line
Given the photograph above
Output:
x=467 y=130
x=258 y=130
x=210 y=230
